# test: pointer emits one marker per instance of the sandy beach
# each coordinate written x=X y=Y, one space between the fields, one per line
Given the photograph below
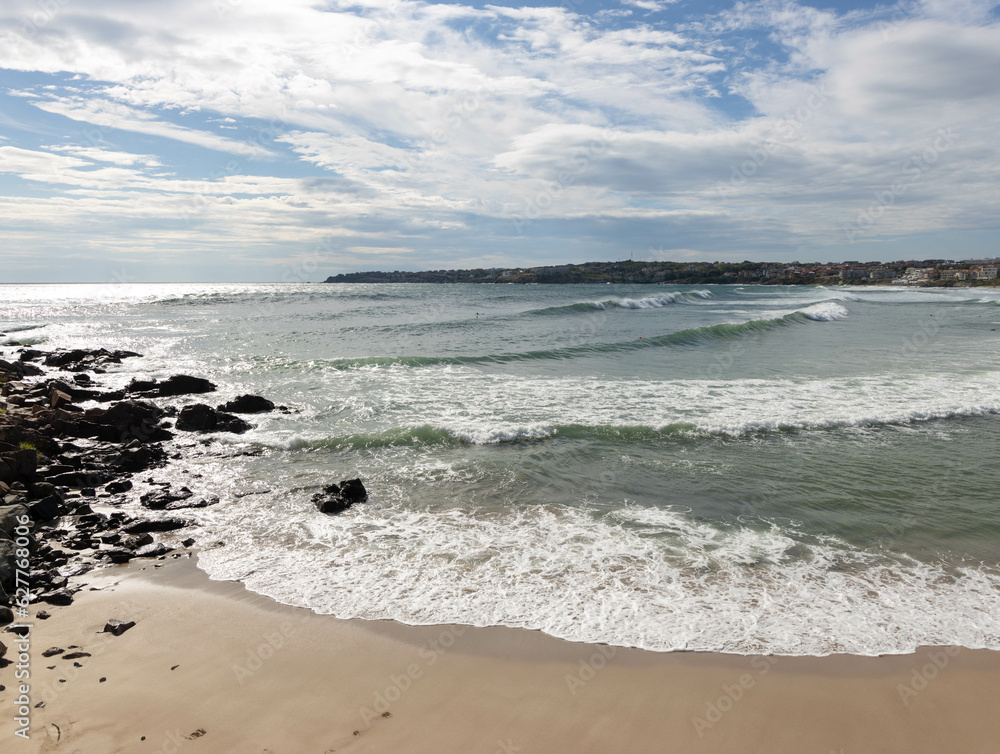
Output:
x=211 y=667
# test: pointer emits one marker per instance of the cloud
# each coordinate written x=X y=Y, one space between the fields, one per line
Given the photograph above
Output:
x=433 y=129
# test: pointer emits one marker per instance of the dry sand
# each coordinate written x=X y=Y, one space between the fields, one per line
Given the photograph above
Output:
x=210 y=667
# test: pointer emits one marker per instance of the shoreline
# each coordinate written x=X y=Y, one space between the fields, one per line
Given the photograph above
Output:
x=253 y=675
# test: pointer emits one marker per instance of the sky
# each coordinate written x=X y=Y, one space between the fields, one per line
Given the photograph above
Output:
x=244 y=140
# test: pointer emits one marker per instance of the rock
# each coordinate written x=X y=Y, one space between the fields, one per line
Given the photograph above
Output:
x=182 y=384
x=7 y=615
x=155 y=525
x=18 y=466
x=8 y=567
x=75 y=655
x=118 y=627
x=117 y=488
x=134 y=542
x=178 y=384
x=132 y=419
x=162 y=498
x=42 y=490
x=202 y=418
x=57 y=597
x=52 y=651
x=338 y=498
x=248 y=404
x=46 y=509
x=10 y=517
x=59 y=399
x=182 y=505
x=3 y=652
x=353 y=491
x=188 y=542
x=43 y=615
x=116 y=554
x=82 y=379
x=152 y=551
x=88 y=492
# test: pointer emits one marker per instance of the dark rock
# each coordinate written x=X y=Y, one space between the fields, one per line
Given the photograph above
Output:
x=202 y=418
x=58 y=597
x=118 y=627
x=82 y=379
x=75 y=655
x=134 y=542
x=116 y=554
x=353 y=491
x=157 y=525
x=188 y=542
x=42 y=490
x=18 y=466
x=132 y=420
x=43 y=615
x=178 y=384
x=52 y=651
x=8 y=567
x=88 y=492
x=152 y=551
x=10 y=517
x=117 y=488
x=46 y=509
x=182 y=505
x=162 y=498
x=134 y=459
x=248 y=404
x=59 y=399
x=7 y=615
x=182 y=384
x=338 y=498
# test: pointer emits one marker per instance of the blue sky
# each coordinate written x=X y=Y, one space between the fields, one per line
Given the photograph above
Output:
x=217 y=140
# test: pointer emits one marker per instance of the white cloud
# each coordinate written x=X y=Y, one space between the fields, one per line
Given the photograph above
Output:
x=414 y=126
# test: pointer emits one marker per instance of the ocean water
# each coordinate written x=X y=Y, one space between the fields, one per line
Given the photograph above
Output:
x=793 y=470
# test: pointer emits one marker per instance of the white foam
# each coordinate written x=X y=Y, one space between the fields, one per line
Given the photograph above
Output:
x=639 y=577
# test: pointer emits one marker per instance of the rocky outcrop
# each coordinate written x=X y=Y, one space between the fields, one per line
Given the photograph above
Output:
x=337 y=498
x=248 y=404
x=202 y=418
x=178 y=384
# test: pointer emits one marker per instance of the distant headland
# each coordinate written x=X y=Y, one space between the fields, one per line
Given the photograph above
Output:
x=927 y=272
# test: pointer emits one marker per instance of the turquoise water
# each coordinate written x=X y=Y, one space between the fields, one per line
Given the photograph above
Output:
x=747 y=469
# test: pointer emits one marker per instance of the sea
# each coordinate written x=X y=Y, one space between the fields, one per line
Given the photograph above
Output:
x=742 y=469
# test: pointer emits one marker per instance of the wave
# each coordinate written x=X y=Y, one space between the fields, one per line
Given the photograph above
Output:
x=691 y=337
x=646 y=577
x=22 y=328
x=428 y=434
x=650 y=302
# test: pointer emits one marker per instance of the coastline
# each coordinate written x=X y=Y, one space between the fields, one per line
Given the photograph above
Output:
x=253 y=675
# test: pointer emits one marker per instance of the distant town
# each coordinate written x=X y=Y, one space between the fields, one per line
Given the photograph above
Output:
x=927 y=272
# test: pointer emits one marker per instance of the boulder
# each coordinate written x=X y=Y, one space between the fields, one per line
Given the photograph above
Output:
x=116 y=554
x=9 y=515
x=182 y=384
x=8 y=567
x=118 y=627
x=152 y=551
x=58 y=597
x=338 y=498
x=18 y=466
x=157 y=525
x=178 y=384
x=46 y=509
x=160 y=499
x=117 y=488
x=202 y=418
x=248 y=404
